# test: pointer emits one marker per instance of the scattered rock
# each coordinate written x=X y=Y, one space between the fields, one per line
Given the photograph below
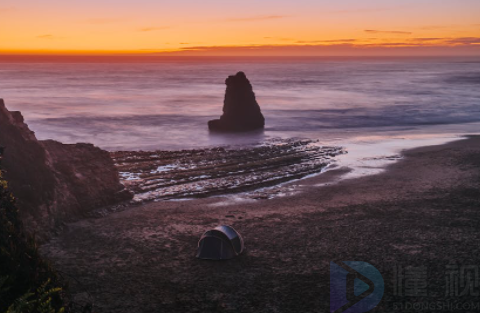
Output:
x=241 y=111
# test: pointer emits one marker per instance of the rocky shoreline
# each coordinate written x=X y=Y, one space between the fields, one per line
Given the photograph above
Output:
x=57 y=183
x=154 y=175
x=54 y=183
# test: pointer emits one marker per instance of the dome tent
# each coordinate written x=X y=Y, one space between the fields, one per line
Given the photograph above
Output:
x=221 y=243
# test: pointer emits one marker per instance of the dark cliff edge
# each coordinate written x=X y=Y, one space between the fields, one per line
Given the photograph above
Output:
x=54 y=182
x=28 y=282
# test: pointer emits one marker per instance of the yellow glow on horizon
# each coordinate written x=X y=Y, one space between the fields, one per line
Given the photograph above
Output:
x=54 y=27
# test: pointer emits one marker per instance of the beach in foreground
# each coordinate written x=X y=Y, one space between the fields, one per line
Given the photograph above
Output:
x=422 y=212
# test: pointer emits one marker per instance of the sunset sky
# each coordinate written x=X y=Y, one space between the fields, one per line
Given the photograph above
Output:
x=262 y=27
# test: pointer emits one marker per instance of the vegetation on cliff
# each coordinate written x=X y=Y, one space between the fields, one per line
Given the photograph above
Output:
x=27 y=282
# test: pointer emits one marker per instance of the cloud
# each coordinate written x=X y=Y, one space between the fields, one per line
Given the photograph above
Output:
x=434 y=41
x=150 y=29
x=257 y=18
x=384 y=46
x=392 y=32
x=362 y=10
x=333 y=41
x=427 y=39
x=463 y=41
x=340 y=49
x=433 y=27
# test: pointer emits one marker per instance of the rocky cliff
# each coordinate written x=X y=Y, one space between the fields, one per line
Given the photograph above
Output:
x=55 y=182
x=241 y=111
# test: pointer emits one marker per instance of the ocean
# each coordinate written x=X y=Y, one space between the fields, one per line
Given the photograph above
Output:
x=166 y=104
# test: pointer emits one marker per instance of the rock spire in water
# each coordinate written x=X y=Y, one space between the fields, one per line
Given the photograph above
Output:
x=241 y=111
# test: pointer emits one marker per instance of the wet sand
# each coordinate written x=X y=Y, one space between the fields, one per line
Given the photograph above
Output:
x=422 y=211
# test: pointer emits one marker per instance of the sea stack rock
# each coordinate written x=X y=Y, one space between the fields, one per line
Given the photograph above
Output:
x=241 y=111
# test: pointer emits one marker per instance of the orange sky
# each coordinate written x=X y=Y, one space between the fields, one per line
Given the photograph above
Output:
x=262 y=27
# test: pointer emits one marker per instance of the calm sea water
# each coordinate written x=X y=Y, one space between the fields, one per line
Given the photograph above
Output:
x=166 y=105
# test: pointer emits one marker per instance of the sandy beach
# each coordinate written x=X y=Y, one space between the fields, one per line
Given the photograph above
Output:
x=239 y=156
x=421 y=212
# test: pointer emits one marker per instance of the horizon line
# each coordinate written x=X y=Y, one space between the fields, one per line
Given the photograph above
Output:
x=226 y=56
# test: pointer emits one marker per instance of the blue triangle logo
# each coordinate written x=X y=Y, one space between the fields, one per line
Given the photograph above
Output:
x=359 y=287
